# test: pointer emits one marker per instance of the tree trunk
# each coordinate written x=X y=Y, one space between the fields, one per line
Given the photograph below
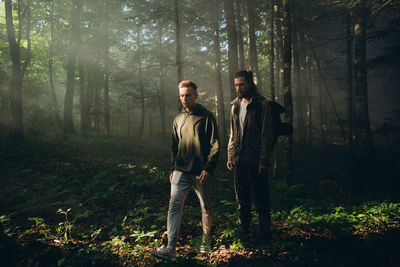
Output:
x=299 y=89
x=287 y=90
x=219 y=91
x=129 y=115
x=161 y=98
x=322 y=114
x=97 y=106
x=107 y=93
x=308 y=83
x=70 y=83
x=18 y=70
x=82 y=99
x=362 y=122
x=272 y=74
x=279 y=49
x=239 y=20
x=339 y=121
x=349 y=79
x=272 y=51
x=142 y=104
x=178 y=44
x=90 y=96
x=53 y=97
x=149 y=117
x=305 y=94
x=232 y=44
x=251 y=18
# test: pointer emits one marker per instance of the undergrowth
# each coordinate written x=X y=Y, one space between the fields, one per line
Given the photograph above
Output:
x=104 y=202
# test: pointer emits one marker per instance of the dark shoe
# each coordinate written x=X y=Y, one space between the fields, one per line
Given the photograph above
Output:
x=165 y=253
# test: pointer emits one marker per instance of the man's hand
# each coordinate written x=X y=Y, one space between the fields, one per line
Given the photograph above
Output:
x=204 y=176
x=170 y=177
x=229 y=165
x=262 y=169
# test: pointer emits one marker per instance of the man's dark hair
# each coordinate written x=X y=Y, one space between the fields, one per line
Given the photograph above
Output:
x=187 y=84
x=248 y=76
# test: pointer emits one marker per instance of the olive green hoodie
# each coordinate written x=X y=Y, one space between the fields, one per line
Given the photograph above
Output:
x=195 y=144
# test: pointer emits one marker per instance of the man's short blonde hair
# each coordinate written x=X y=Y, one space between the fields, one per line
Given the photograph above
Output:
x=187 y=84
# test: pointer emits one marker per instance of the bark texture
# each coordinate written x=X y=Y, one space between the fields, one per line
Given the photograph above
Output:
x=362 y=122
x=218 y=83
x=287 y=89
x=232 y=44
x=70 y=83
x=18 y=68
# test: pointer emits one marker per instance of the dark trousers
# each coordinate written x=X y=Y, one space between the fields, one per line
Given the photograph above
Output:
x=250 y=184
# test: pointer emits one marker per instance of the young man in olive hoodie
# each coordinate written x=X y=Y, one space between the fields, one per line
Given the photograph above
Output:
x=195 y=149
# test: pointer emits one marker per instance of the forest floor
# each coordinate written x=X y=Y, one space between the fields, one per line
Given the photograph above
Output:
x=103 y=202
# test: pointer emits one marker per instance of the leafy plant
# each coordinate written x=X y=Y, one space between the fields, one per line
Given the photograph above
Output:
x=40 y=228
x=141 y=236
x=65 y=227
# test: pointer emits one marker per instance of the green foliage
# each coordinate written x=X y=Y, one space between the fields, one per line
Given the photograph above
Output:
x=141 y=236
x=65 y=227
x=39 y=228
x=112 y=210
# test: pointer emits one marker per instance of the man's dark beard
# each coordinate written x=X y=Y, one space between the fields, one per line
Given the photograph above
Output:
x=245 y=94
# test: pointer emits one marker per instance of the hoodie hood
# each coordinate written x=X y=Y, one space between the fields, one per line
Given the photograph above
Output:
x=197 y=110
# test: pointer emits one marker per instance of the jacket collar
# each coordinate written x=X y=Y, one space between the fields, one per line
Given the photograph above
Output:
x=236 y=101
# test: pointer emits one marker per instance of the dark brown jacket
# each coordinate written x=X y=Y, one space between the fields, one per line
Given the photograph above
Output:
x=257 y=141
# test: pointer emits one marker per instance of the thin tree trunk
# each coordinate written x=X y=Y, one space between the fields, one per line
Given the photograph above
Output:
x=97 y=106
x=90 y=97
x=53 y=97
x=129 y=115
x=161 y=98
x=82 y=99
x=305 y=94
x=339 y=121
x=279 y=49
x=178 y=44
x=272 y=51
x=70 y=83
x=150 y=120
x=232 y=44
x=251 y=17
x=362 y=123
x=308 y=84
x=272 y=74
x=18 y=69
x=142 y=104
x=299 y=88
x=107 y=93
x=107 y=127
x=287 y=90
x=349 y=79
x=239 y=21
x=219 y=91
x=322 y=111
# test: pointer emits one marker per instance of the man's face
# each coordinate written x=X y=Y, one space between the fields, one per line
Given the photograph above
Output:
x=242 y=87
x=188 y=97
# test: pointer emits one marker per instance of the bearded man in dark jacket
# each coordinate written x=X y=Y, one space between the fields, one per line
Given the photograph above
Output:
x=195 y=149
x=249 y=148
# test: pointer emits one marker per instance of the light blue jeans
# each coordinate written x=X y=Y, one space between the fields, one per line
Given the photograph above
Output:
x=180 y=186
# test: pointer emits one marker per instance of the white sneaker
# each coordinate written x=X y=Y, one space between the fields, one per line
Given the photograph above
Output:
x=165 y=253
x=205 y=246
